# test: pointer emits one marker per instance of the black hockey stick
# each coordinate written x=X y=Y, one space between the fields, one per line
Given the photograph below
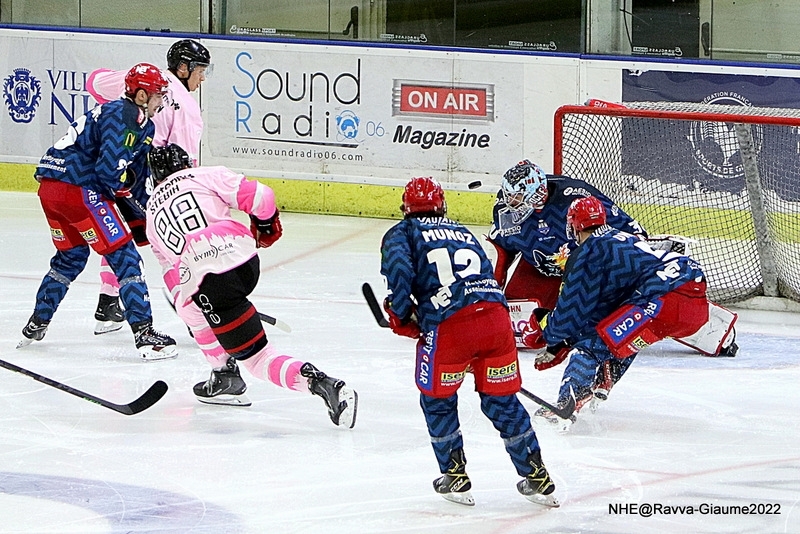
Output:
x=377 y=312
x=373 y=304
x=148 y=398
x=277 y=323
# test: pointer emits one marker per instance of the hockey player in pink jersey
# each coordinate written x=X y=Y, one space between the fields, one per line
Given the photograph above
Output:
x=214 y=258
x=180 y=122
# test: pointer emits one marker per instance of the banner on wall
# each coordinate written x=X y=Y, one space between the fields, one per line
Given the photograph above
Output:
x=44 y=82
x=362 y=112
x=715 y=150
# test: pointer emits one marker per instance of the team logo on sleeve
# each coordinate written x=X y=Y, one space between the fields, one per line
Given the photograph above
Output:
x=130 y=139
x=22 y=93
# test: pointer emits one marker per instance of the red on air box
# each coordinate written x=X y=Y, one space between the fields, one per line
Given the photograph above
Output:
x=461 y=101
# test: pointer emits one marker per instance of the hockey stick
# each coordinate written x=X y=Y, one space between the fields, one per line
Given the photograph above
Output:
x=277 y=323
x=375 y=308
x=148 y=398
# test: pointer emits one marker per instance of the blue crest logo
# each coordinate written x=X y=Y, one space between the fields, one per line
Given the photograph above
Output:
x=22 y=93
x=347 y=124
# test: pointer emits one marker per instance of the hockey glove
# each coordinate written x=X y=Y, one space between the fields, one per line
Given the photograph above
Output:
x=266 y=232
x=532 y=336
x=554 y=355
x=407 y=328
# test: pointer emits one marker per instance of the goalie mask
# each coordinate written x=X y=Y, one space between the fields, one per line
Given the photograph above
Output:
x=583 y=213
x=423 y=196
x=165 y=161
x=523 y=190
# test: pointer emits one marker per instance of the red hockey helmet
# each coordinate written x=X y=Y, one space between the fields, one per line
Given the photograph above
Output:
x=585 y=213
x=146 y=77
x=423 y=195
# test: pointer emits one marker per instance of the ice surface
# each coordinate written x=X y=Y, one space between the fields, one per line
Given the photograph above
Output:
x=679 y=430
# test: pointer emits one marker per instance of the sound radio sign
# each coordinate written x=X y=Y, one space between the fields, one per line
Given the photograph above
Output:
x=469 y=102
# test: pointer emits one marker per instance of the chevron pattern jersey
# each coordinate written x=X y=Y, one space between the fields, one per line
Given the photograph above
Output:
x=439 y=264
x=609 y=269
x=100 y=146
x=540 y=237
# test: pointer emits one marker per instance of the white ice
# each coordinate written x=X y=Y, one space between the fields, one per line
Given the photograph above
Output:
x=679 y=430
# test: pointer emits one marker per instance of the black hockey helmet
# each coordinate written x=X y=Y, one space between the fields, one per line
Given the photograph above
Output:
x=167 y=160
x=190 y=52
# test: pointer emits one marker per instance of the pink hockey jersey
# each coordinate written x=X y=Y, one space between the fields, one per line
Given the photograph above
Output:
x=190 y=227
x=179 y=122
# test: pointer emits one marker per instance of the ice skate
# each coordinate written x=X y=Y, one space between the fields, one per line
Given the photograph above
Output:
x=33 y=331
x=454 y=484
x=109 y=315
x=538 y=487
x=153 y=345
x=342 y=401
x=224 y=386
x=557 y=423
x=607 y=375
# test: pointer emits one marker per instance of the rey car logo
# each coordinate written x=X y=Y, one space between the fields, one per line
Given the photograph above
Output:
x=22 y=93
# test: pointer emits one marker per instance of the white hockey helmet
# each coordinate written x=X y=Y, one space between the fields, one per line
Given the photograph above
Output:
x=524 y=189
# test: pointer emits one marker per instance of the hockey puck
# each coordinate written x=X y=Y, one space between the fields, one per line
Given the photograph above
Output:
x=475 y=185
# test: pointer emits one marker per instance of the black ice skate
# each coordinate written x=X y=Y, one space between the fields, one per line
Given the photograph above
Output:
x=538 y=487
x=454 y=484
x=342 y=401
x=224 y=386
x=153 y=345
x=109 y=315
x=33 y=331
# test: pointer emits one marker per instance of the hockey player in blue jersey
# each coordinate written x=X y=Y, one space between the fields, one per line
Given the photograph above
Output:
x=618 y=296
x=442 y=293
x=529 y=224
x=80 y=178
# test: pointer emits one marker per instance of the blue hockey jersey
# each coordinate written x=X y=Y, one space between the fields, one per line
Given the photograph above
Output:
x=435 y=266
x=611 y=269
x=100 y=146
x=542 y=237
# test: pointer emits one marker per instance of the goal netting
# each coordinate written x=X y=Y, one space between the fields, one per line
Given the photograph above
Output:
x=726 y=176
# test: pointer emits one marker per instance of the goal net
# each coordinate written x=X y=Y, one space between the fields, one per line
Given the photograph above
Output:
x=725 y=176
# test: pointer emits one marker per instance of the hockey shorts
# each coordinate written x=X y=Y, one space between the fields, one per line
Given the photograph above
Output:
x=78 y=216
x=476 y=339
x=679 y=313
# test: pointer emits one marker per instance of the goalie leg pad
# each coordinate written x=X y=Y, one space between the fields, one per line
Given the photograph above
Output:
x=717 y=333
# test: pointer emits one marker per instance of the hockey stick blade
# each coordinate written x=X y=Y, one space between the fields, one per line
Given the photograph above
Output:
x=277 y=323
x=374 y=306
x=564 y=413
x=148 y=398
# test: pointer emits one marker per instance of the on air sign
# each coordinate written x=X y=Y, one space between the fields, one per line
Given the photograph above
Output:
x=474 y=102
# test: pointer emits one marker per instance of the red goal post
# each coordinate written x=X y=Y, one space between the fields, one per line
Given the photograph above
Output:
x=725 y=176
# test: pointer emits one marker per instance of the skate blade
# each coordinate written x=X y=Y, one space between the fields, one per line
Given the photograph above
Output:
x=151 y=354
x=227 y=400
x=24 y=342
x=464 y=497
x=104 y=327
x=347 y=418
x=544 y=500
